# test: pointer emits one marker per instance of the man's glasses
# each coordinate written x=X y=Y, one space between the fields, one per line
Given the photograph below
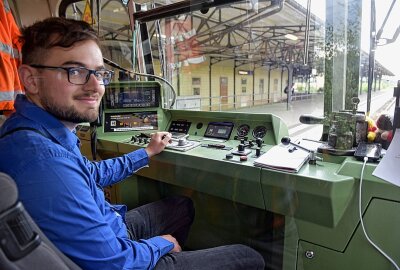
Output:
x=81 y=75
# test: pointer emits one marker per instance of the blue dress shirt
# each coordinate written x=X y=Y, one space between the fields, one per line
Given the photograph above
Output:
x=62 y=191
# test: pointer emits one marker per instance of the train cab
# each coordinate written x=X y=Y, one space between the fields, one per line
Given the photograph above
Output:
x=308 y=177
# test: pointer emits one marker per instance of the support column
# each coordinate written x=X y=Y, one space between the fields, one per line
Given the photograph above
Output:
x=209 y=81
x=234 y=84
x=254 y=84
x=289 y=86
x=269 y=83
x=343 y=47
x=282 y=70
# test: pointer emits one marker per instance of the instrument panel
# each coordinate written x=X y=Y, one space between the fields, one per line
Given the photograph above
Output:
x=230 y=139
x=211 y=157
x=221 y=130
x=132 y=110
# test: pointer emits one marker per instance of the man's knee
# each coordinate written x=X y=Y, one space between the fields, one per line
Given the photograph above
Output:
x=249 y=256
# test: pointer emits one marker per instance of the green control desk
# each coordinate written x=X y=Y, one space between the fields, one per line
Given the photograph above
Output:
x=304 y=220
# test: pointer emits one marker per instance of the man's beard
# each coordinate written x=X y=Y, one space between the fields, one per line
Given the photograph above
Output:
x=68 y=114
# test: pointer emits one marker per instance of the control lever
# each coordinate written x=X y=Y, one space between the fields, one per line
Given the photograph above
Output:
x=311 y=119
x=259 y=142
x=241 y=147
x=180 y=136
x=312 y=156
x=182 y=142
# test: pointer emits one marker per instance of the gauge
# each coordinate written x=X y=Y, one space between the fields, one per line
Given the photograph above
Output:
x=243 y=130
x=259 y=132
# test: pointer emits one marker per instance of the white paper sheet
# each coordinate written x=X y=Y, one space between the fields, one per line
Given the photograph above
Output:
x=389 y=167
x=280 y=158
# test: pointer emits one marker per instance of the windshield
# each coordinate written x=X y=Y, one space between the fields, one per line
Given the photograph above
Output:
x=288 y=58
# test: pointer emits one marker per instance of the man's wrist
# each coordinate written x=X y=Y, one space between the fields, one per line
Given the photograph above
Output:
x=149 y=152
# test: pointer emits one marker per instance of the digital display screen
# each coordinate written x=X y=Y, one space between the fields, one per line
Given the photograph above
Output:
x=130 y=121
x=131 y=96
x=219 y=130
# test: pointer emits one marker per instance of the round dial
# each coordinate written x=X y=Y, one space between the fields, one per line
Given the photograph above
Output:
x=259 y=132
x=243 y=130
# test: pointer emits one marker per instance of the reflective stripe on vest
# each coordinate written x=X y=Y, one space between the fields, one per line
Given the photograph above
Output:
x=6 y=6
x=10 y=56
x=14 y=53
x=9 y=95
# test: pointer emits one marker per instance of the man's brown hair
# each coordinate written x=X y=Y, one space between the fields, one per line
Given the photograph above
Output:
x=53 y=32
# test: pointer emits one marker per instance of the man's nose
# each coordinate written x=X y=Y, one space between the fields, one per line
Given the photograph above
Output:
x=94 y=82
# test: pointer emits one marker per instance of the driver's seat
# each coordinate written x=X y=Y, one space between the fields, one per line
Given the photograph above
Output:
x=22 y=244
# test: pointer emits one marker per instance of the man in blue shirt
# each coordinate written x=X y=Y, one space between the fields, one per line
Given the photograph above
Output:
x=64 y=76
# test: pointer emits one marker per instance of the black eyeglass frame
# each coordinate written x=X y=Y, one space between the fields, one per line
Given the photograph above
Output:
x=91 y=71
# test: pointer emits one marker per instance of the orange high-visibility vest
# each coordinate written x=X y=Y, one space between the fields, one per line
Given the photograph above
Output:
x=10 y=58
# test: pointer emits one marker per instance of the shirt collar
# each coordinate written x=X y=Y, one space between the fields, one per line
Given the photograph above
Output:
x=57 y=130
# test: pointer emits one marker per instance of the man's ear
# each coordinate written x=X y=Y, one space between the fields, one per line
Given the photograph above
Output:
x=29 y=78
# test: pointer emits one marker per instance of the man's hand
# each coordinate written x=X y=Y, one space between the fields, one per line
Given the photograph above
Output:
x=157 y=143
x=177 y=247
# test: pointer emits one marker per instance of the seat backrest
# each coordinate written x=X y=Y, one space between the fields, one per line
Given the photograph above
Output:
x=22 y=244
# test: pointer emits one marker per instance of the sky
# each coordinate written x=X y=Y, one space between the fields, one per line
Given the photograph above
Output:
x=388 y=55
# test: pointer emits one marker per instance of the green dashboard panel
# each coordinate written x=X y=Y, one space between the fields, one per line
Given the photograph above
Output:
x=204 y=169
x=304 y=220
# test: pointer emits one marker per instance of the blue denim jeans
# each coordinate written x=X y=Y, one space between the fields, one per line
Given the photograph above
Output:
x=174 y=216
